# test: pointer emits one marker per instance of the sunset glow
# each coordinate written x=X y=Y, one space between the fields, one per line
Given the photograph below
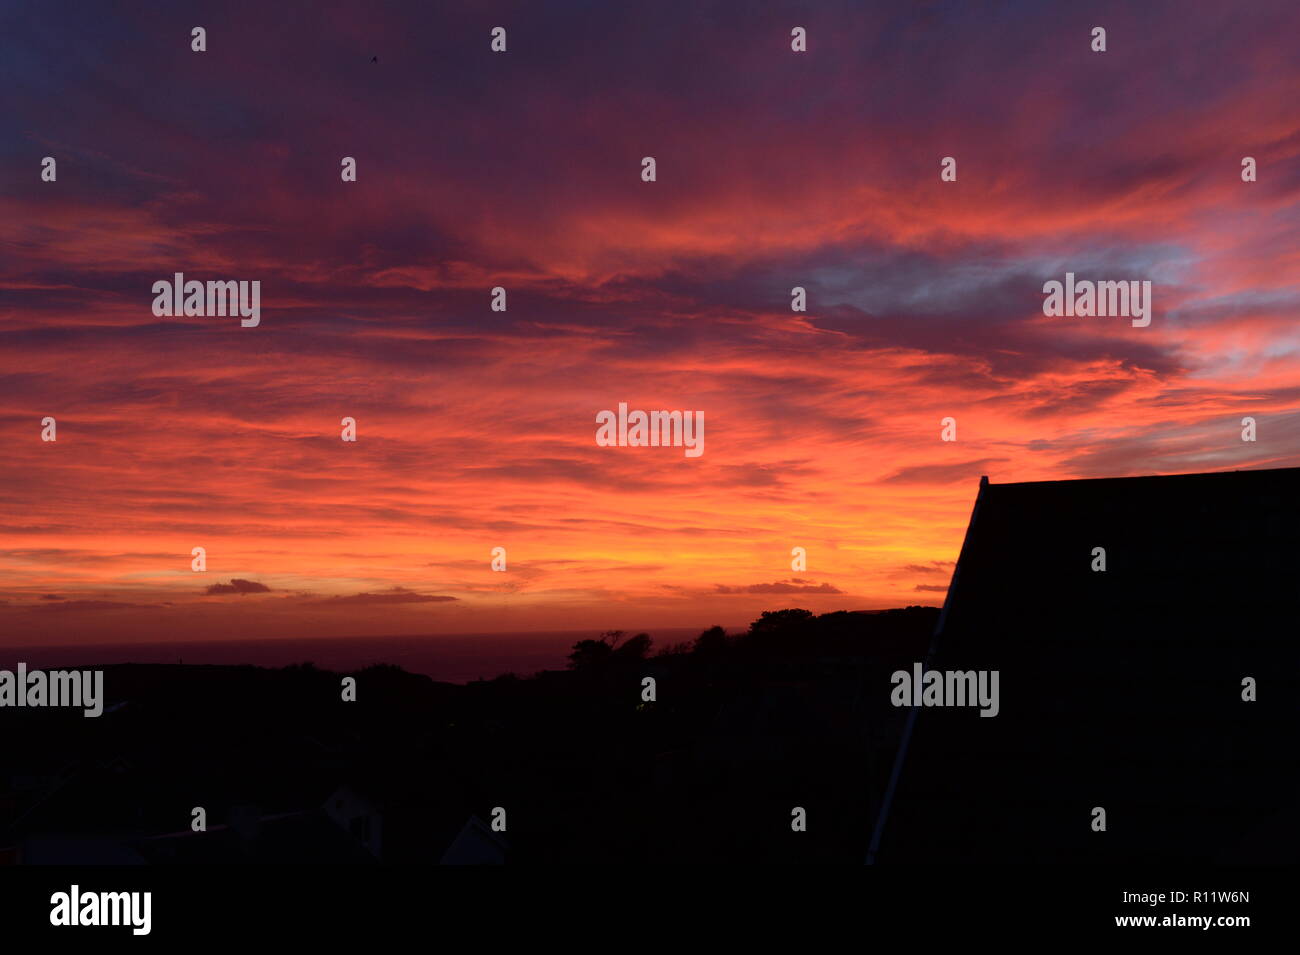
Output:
x=476 y=429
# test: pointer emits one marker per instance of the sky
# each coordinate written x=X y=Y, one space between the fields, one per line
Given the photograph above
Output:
x=523 y=169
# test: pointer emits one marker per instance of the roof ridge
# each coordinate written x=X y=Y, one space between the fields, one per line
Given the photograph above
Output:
x=1142 y=477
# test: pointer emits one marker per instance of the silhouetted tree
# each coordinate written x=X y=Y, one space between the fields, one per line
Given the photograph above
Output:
x=588 y=654
x=675 y=650
x=711 y=642
x=635 y=649
x=610 y=648
x=775 y=627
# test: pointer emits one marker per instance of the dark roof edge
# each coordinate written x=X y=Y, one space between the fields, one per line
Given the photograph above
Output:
x=1145 y=477
x=896 y=773
x=956 y=570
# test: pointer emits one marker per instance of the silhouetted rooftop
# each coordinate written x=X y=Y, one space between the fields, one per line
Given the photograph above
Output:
x=1121 y=688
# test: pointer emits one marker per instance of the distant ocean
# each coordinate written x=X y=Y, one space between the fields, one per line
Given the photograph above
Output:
x=451 y=658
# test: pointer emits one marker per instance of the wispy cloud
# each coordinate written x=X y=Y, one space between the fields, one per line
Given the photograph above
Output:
x=476 y=427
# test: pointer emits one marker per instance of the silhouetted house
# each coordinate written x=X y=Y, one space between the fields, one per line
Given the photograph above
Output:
x=62 y=848
x=1119 y=689
x=407 y=819
x=308 y=837
x=361 y=818
x=79 y=814
x=476 y=844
